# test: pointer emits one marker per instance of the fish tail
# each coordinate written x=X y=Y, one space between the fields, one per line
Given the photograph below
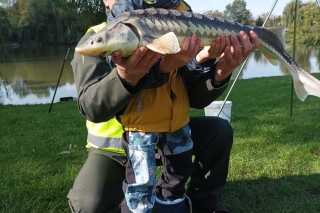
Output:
x=305 y=84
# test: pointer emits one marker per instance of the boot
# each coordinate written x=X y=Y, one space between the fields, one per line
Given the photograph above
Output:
x=164 y=205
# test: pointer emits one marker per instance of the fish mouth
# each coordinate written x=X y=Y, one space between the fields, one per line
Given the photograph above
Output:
x=90 y=51
x=103 y=54
x=77 y=49
x=82 y=51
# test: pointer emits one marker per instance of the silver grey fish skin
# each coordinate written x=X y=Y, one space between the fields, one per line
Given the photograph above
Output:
x=153 y=23
x=156 y=22
x=140 y=27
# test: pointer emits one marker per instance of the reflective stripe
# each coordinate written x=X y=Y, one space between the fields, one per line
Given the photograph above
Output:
x=98 y=141
x=106 y=135
x=97 y=28
x=118 y=151
x=109 y=129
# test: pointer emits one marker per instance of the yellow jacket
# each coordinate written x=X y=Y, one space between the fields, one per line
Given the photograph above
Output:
x=163 y=109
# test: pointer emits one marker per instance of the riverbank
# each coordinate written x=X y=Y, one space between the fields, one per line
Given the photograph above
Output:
x=274 y=165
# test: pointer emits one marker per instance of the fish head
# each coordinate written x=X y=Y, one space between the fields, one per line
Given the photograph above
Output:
x=119 y=37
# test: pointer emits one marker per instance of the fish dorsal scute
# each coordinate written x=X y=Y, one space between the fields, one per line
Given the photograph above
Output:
x=166 y=44
x=274 y=61
x=279 y=33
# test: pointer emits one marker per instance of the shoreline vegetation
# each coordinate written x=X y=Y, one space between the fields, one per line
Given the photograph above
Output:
x=26 y=45
x=274 y=164
x=53 y=22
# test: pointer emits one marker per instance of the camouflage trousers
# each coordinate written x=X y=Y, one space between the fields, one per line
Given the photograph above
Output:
x=140 y=196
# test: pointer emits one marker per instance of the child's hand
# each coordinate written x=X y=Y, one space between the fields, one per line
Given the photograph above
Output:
x=214 y=50
x=189 y=49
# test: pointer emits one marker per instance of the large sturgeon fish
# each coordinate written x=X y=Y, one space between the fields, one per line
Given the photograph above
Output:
x=163 y=31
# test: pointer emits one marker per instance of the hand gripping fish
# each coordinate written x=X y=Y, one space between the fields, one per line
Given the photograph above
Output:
x=163 y=31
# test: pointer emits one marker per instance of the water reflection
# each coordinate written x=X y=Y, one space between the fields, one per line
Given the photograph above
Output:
x=258 y=66
x=32 y=73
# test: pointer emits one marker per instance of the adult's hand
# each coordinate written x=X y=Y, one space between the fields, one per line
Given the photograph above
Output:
x=189 y=49
x=133 y=68
x=234 y=54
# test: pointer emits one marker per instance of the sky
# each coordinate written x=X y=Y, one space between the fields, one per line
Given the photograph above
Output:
x=256 y=7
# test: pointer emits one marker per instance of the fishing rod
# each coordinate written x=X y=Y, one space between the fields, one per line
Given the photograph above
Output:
x=294 y=50
x=66 y=56
x=244 y=63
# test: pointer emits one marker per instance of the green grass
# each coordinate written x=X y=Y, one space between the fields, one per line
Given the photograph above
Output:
x=274 y=165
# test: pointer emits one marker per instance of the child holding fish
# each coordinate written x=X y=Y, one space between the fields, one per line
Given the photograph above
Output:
x=159 y=116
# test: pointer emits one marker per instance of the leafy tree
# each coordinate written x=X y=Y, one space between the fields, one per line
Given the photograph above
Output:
x=259 y=21
x=273 y=21
x=238 y=12
x=309 y=32
x=4 y=25
x=49 y=21
x=7 y=3
x=215 y=13
x=308 y=16
x=288 y=14
x=277 y=20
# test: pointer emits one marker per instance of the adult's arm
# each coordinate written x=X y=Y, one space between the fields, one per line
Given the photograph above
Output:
x=102 y=92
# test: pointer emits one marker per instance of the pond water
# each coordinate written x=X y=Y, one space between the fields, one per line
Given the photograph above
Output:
x=32 y=73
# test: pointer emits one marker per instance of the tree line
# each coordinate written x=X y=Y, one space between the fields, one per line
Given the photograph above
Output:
x=47 y=21
x=52 y=22
x=308 y=19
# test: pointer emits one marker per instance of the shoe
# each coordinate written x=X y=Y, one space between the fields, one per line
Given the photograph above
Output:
x=163 y=205
x=220 y=208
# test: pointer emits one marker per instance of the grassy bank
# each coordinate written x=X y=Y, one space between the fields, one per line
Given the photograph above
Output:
x=274 y=167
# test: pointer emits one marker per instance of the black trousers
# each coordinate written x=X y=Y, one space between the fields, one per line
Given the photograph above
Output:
x=98 y=186
x=176 y=170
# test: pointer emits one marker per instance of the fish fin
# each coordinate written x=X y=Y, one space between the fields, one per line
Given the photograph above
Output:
x=274 y=61
x=166 y=44
x=279 y=32
x=306 y=85
x=300 y=90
